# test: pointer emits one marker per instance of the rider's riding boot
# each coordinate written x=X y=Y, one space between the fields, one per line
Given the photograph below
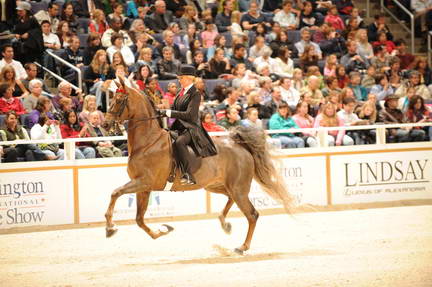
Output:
x=187 y=179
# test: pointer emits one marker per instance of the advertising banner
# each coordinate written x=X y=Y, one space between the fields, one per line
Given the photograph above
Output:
x=305 y=178
x=97 y=184
x=381 y=177
x=36 y=198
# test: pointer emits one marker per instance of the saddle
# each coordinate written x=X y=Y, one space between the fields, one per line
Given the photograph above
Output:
x=194 y=160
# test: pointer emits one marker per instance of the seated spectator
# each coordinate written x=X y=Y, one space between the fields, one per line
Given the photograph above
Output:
x=65 y=90
x=43 y=106
x=209 y=34
x=116 y=27
x=93 y=45
x=239 y=54
x=236 y=28
x=64 y=33
x=89 y=107
x=69 y=16
x=171 y=93
x=353 y=61
x=94 y=129
x=252 y=119
x=351 y=119
x=368 y=113
x=32 y=72
x=74 y=56
x=98 y=22
x=252 y=18
x=405 y=100
x=421 y=65
x=242 y=76
x=7 y=76
x=231 y=100
x=152 y=90
x=12 y=131
x=208 y=123
x=342 y=76
x=406 y=59
x=306 y=41
x=329 y=118
x=368 y=80
x=286 y=17
x=30 y=101
x=297 y=80
x=137 y=8
x=322 y=32
x=355 y=14
x=418 y=113
x=218 y=65
x=392 y=115
x=168 y=66
x=344 y=7
x=146 y=58
x=117 y=12
x=378 y=26
x=382 y=41
x=168 y=41
x=312 y=87
x=423 y=10
x=382 y=89
x=333 y=43
x=273 y=104
x=119 y=46
x=308 y=17
x=282 y=120
x=231 y=118
x=49 y=15
x=140 y=36
x=414 y=81
x=159 y=20
x=360 y=92
x=352 y=26
x=51 y=40
x=364 y=48
x=308 y=58
x=289 y=95
x=144 y=72
x=305 y=121
x=283 y=65
x=224 y=18
x=44 y=129
x=8 y=102
x=334 y=19
x=330 y=66
x=97 y=73
x=280 y=41
x=190 y=17
x=254 y=100
x=332 y=86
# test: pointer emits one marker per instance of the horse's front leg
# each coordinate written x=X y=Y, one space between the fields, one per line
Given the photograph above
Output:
x=134 y=186
x=142 y=204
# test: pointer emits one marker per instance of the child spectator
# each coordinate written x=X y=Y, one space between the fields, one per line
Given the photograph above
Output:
x=282 y=120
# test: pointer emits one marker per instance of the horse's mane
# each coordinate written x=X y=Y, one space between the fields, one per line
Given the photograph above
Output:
x=146 y=98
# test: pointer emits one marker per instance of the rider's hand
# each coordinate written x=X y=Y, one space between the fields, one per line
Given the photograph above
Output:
x=162 y=113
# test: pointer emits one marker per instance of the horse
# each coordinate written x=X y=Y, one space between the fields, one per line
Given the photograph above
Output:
x=242 y=157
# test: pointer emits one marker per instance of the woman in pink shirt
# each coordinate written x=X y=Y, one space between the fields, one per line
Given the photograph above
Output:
x=329 y=118
x=304 y=121
x=334 y=20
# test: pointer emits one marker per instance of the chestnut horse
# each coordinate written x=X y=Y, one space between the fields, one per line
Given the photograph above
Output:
x=239 y=160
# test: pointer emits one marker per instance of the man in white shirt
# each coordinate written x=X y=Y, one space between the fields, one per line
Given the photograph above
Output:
x=116 y=25
x=8 y=54
x=51 y=40
x=50 y=16
x=286 y=18
x=288 y=93
x=305 y=41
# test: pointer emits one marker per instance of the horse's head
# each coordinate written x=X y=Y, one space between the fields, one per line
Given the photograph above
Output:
x=118 y=109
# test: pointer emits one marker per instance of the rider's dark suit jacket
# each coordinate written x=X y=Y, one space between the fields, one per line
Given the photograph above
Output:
x=186 y=112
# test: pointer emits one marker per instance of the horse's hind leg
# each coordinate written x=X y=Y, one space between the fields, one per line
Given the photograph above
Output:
x=142 y=204
x=226 y=226
x=133 y=186
x=241 y=198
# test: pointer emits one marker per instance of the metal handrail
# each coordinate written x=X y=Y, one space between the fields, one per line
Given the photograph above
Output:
x=429 y=48
x=55 y=75
x=64 y=62
x=367 y=8
x=412 y=20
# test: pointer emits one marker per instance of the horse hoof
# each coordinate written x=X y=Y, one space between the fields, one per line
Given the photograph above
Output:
x=227 y=228
x=110 y=232
x=168 y=228
x=239 y=251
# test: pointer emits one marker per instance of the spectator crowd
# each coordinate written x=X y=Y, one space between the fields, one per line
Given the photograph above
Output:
x=270 y=64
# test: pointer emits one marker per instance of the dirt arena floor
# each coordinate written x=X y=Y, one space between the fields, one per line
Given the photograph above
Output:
x=374 y=247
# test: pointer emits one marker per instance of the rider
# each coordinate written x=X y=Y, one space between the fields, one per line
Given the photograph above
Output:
x=185 y=111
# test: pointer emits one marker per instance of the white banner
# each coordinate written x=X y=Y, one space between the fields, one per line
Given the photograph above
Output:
x=381 y=177
x=97 y=184
x=36 y=198
x=305 y=178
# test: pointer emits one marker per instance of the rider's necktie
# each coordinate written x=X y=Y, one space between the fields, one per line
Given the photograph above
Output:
x=181 y=92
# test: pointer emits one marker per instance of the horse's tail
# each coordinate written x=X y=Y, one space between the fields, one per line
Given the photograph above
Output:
x=254 y=140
